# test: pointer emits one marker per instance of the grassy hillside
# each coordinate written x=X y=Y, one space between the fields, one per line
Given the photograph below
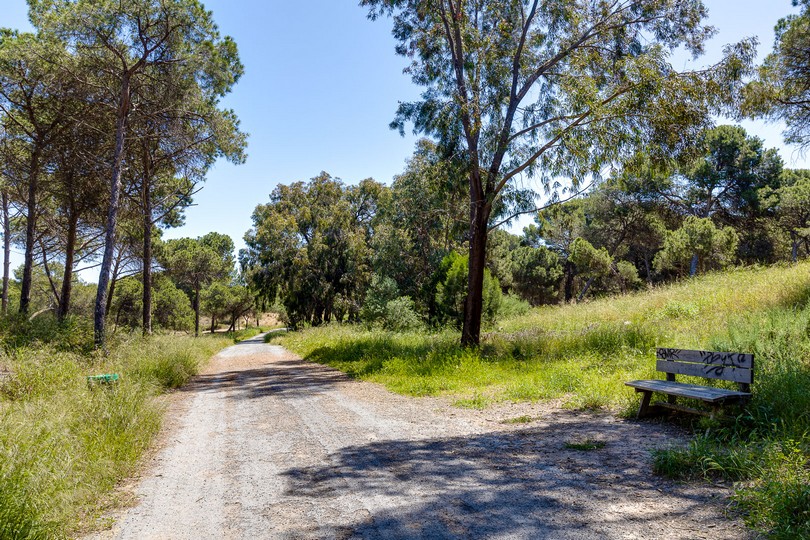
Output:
x=584 y=353
x=64 y=444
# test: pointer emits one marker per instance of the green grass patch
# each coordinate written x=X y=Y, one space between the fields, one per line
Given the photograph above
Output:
x=64 y=444
x=524 y=419
x=245 y=333
x=583 y=354
x=478 y=401
x=585 y=445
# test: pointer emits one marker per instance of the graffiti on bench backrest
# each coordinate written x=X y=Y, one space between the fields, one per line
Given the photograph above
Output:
x=713 y=362
x=668 y=354
x=717 y=363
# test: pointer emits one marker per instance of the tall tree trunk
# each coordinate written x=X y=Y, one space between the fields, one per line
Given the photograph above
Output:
x=113 y=281
x=30 y=233
x=570 y=273
x=197 y=310
x=48 y=275
x=474 y=306
x=112 y=213
x=585 y=289
x=213 y=323
x=147 y=255
x=6 y=250
x=67 y=279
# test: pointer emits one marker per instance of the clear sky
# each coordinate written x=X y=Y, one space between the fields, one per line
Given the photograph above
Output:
x=322 y=83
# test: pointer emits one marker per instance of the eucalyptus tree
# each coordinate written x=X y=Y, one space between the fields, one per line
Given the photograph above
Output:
x=549 y=89
x=121 y=44
x=310 y=248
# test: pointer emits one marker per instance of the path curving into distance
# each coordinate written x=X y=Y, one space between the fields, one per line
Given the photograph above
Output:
x=266 y=445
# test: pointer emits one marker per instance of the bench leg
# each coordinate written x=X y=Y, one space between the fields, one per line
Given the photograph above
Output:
x=644 y=408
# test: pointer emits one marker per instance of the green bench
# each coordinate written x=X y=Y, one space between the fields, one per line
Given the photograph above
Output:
x=726 y=366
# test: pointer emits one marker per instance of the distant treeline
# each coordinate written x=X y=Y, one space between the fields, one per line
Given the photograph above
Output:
x=392 y=255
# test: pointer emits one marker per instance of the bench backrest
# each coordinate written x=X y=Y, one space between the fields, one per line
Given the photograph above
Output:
x=736 y=367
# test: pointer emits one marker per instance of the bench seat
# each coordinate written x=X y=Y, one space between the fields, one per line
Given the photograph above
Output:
x=726 y=366
x=703 y=393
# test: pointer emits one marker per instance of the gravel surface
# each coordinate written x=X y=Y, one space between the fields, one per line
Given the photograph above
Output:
x=266 y=445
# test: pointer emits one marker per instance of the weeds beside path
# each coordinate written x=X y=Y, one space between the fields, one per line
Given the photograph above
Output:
x=65 y=444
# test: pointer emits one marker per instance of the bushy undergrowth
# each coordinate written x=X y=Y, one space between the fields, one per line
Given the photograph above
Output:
x=584 y=353
x=63 y=443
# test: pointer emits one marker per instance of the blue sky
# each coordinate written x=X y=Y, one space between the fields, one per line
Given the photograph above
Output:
x=322 y=83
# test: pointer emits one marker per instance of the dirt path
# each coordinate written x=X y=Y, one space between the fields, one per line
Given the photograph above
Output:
x=265 y=445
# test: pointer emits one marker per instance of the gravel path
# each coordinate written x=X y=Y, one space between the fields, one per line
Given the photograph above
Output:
x=266 y=445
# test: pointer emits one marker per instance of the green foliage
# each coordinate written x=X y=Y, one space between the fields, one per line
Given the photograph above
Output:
x=194 y=264
x=309 y=248
x=451 y=292
x=501 y=246
x=400 y=315
x=791 y=205
x=172 y=310
x=227 y=301
x=535 y=273
x=512 y=306
x=591 y=263
x=423 y=219
x=778 y=502
x=127 y=304
x=698 y=237
x=170 y=305
x=383 y=307
x=627 y=273
x=382 y=290
x=780 y=90
x=72 y=334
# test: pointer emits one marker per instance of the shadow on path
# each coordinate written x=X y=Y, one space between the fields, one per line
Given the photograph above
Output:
x=522 y=484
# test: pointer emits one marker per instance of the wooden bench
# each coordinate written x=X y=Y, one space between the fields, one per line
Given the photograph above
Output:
x=735 y=367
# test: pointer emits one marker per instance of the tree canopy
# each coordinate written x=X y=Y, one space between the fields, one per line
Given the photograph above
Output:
x=548 y=90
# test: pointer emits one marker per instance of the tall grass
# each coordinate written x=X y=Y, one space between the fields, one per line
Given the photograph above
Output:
x=766 y=449
x=584 y=353
x=64 y=444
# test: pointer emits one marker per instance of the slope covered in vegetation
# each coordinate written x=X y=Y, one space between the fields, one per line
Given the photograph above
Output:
x=584 y=353
x=64 y=443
